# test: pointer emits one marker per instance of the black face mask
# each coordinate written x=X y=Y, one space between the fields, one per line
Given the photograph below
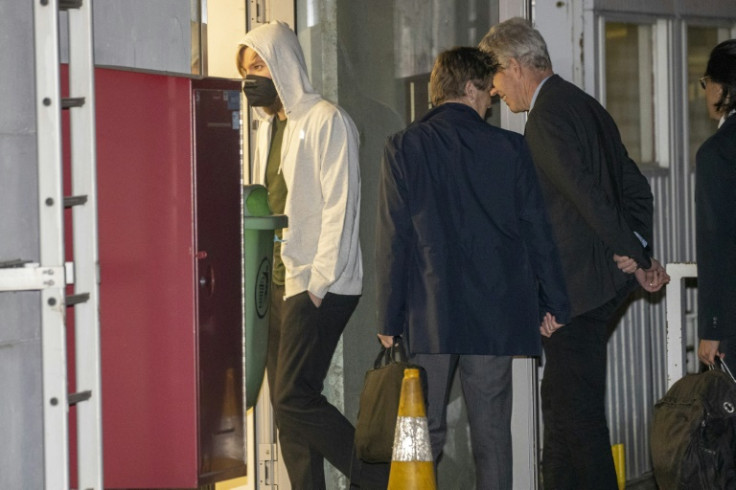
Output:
x=260 y=91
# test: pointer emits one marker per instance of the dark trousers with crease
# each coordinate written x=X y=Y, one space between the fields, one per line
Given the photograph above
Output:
x=577 y=447
x=302 y=339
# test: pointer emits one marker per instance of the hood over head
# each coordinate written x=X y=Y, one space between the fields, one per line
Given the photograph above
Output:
x=279 y=48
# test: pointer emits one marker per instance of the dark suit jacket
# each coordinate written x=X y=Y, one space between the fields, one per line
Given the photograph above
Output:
x=465 y=259
x=595 y=194
x=715 y=215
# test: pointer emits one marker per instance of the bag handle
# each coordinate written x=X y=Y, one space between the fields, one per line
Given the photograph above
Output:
x=395 y=353
x=398 y=350
x=722 y=364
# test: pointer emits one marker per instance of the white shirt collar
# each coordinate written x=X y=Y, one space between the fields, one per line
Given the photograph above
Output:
x=724 y=117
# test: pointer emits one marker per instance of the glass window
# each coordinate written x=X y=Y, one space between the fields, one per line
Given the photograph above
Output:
x=700 y=42
x=385 y=51
x=629 y=82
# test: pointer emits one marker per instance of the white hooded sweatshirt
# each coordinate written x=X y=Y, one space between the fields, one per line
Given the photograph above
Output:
x=319 y=161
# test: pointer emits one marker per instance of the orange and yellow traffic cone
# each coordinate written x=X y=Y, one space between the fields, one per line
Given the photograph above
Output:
x=412 y=467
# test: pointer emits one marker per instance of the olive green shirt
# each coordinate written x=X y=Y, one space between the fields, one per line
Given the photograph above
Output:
x=277 y=191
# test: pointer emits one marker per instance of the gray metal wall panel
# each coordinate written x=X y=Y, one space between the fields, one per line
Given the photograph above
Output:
x=637 y=347
x=144 y=35
x=630 y=385
x=21 y=426
x=674 y=8
x=18 y=187
x=21 y=414
x=725 y=9
x=637 y=6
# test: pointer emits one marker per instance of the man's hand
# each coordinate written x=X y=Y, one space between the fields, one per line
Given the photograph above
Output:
x=653 y=278
x=386 y=340
x=549 y=325
x=625 y=264
x=316 y=300
x=708 y=350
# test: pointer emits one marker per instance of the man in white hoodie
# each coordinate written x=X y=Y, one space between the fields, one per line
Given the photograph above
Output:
x=306 y=155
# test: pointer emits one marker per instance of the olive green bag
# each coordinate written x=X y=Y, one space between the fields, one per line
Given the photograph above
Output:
x=693 y=440
x=379 y=404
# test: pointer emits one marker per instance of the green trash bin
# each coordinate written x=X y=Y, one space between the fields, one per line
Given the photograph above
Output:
x=258 y=235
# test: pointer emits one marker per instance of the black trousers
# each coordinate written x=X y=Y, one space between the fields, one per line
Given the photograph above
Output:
x=302 y=339
x=577 y=446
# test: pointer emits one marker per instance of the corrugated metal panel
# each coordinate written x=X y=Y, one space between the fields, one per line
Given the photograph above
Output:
x=633 y=382
x=637 y=347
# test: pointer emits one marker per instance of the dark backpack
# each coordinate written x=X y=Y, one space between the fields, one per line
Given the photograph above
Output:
x=693 y=439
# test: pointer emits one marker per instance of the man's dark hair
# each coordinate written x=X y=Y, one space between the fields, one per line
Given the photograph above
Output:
x=455 y=67
x=722 y=69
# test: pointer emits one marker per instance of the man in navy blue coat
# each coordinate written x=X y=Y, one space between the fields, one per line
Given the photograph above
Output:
x=467 y=268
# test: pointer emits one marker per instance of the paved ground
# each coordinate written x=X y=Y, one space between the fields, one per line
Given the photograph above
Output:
x=643 y=483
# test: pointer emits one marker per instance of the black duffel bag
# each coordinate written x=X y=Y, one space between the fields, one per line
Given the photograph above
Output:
x=693 y=438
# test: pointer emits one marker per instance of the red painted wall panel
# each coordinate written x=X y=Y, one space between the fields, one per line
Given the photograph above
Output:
x=147 y=296
x=168 y=171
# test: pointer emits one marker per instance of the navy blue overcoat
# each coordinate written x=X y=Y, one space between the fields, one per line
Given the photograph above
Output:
x=466 y=262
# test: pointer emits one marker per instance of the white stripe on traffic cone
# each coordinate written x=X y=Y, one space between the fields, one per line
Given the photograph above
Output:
x=412 y=467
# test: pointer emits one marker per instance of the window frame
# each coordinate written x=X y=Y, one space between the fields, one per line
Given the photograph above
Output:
x=727 y=30
x=661 y=54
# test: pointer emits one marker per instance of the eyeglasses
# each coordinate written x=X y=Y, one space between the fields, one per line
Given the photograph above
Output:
x=702 y=81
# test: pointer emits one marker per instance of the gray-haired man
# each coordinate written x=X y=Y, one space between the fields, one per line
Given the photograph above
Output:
x=600 y=208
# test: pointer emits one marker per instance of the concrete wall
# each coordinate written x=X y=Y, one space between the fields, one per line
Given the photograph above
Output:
x=21 y=416
x=161 y=36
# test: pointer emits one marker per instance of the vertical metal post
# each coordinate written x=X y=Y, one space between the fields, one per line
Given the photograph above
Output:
x=676 y=366
x=525 y=423
x=48 y=126
x=86 y=255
